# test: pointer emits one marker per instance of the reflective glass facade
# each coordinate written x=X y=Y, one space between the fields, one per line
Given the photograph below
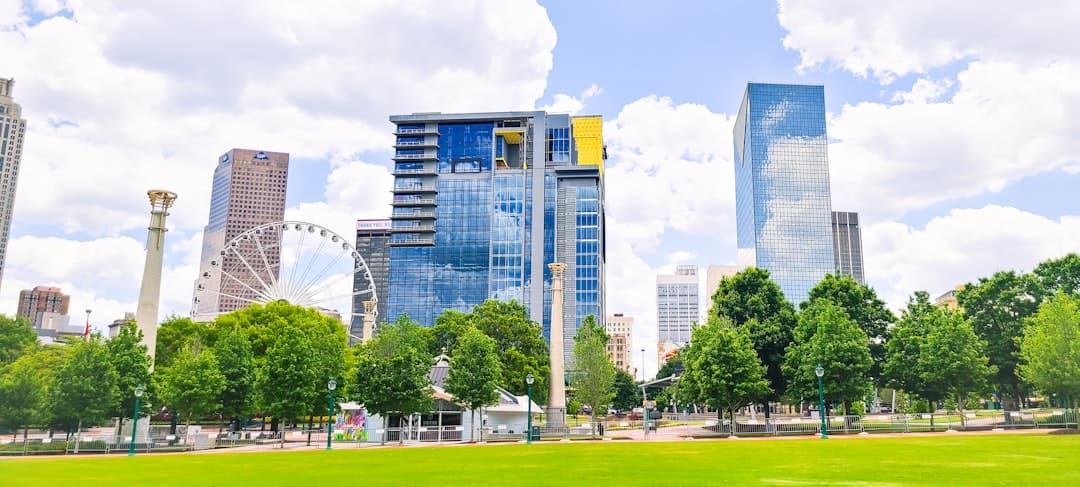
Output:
x=782 y=197
x=482 y=203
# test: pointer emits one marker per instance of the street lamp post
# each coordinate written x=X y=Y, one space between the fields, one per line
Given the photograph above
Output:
x=528 y=386
x=86 y=331
x=330 y=386
x=135 y=420
x=819 y=372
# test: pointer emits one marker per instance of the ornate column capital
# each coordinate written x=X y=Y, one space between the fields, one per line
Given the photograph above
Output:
x=557 y=269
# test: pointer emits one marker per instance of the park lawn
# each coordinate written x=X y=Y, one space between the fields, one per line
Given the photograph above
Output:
x=956 y=459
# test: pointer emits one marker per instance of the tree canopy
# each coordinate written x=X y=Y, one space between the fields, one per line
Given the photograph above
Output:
x=192 y=385
x=85 y=387
x=473 y=370
x=16 y=336
x=594 y=375
x=1050 y=348
x=722 y=368
x=392 y=371
x=863 y=306
x=132 y=365
x=998 y=307
x=953 y=359
x=826 y=336
x=752 y=301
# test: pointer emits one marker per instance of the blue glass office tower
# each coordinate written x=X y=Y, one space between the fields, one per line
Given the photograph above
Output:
x=782 y=198
x=484 y=201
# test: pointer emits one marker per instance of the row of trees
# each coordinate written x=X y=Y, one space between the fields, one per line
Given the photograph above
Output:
x=1012 y=334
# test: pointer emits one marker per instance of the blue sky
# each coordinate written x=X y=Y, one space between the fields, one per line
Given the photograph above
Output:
x=951 y=125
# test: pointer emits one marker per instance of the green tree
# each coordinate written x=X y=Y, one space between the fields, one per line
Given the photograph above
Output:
x=722 y=368
x=827 y=336
x=1059 y=275
x=752 y=301
x=627 y=393
x=22 y=394
x=1050 y=348
x=473 y=370
x=132 y=365
x=289 y=381
x=864 y=307
x=519 y=341
x=237 y=365
x=953 y=359
x=16 y=336
x=392 y=372
x=998 y=307
x=191 y=386
x=594 y=374
x=902 y=368
x=85 y=389
x=174 y=335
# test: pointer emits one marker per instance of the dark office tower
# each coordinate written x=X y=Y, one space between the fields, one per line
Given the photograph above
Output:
x=847 y=245
x=783 y=205
x=484 y=201
x=373 y=244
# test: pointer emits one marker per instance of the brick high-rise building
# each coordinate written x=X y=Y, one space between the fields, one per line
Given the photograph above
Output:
x=12 y=130
x=44 y=306
x=249 y=190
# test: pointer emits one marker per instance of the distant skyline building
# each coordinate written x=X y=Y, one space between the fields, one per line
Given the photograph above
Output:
x=847 y=245
x=248 y=190
x=44 y=306
x=621 y=330
x=677 y=305
x=373 y=244
x=713 y=275
x=484 y=201
x=117 y=324
x=12 y=131
x=783 y=202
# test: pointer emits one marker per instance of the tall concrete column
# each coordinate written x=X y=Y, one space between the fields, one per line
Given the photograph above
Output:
x=556 y=410
x=146 y=315
x=369 y=320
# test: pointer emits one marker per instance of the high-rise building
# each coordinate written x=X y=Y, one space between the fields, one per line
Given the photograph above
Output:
x=45 y=307
x=373 y=244
x=620 y=329
x=713 y=275
x=847 y=245
x=248 y=191
x=677 y=307
x=783 y=204
x=484 y=201
x=12 y=131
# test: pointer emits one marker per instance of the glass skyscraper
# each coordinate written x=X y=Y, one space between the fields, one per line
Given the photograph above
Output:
x=782 y=198
x=484 y=201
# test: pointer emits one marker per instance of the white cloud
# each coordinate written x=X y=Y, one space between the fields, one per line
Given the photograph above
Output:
x=670 y=168
x=891 y=39
x=960 y=247
x=573 y=105
x=1001 y=124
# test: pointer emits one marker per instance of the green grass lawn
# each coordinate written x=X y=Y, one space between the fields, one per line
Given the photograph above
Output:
x=943 y=460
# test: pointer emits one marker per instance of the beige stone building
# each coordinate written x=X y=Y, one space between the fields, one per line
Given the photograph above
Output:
x=248 y=191
x=620 y=328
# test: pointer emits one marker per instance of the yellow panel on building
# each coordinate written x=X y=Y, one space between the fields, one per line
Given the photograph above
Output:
x=589 y=139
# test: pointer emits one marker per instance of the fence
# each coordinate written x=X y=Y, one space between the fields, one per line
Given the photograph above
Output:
x=898 y=423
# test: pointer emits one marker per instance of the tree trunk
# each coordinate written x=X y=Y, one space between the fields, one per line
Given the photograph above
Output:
x=960 y=407
x=309 y=424
x=78 y=435
x=592 y=421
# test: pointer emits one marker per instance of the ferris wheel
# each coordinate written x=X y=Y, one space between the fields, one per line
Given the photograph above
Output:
x=299 y=262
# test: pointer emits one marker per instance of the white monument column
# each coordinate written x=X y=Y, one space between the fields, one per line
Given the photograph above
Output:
x=556 y=410
x=146 y=315
x=369 y=320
